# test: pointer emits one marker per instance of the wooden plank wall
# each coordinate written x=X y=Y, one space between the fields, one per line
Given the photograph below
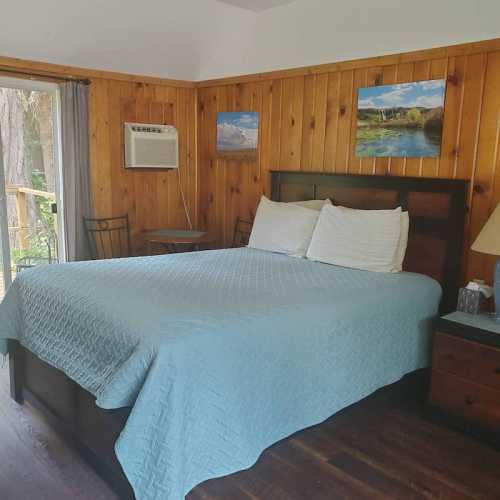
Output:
x=308 y=122
x=150 y=197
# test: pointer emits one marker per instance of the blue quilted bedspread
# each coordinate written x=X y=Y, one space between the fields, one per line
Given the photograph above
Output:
x=220 y=353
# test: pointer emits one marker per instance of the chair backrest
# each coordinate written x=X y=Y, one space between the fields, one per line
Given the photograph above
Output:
x=242 y=230
x=108 y=238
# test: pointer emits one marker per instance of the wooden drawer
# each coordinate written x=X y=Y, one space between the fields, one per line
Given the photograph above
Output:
x=470 y=360
x=487 y=366
x=474 y=402
x=454 y=355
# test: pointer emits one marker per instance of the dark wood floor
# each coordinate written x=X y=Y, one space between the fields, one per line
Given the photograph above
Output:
x=383 y=447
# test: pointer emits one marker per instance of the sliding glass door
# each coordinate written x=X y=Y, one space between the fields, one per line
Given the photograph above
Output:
x=30 y=176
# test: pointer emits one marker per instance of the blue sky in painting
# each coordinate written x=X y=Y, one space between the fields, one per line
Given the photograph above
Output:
x=244 y=120
x=237 y=131
x=427 y=94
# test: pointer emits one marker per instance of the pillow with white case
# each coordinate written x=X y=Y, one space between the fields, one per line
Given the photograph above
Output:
x=282 y=227
x=403 y=240
x=403 y=243
x=312 y=204
x=359 y=239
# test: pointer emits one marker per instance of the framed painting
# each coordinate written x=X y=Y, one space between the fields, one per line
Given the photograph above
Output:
x=238 y=134
x=405 y=119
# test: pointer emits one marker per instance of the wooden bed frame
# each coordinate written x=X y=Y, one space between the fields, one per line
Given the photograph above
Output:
x=437 y=210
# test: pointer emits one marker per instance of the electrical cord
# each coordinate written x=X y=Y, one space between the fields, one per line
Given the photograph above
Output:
x=183 y=198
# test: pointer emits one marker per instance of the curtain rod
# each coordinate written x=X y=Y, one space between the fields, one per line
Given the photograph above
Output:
x=32 y=76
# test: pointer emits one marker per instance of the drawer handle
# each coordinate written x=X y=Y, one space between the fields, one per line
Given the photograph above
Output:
x=497 y=370
x=450 y=357
x=469 y=400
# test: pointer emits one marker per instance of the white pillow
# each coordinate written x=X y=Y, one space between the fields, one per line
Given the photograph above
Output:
x=360 y=239
x=403 y=240
x=312 y=204
x=282 y=227
x=403 y=243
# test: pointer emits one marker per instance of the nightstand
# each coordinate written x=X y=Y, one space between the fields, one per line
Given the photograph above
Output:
x=178 y=240
x=465 y=377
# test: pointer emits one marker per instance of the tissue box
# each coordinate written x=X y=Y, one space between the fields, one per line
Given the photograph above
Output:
x=470 y=301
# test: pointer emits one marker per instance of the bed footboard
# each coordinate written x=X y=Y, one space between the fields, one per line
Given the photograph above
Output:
x=71 y=410
x=15 y=362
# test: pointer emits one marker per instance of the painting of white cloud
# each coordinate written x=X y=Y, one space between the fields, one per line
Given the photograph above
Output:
x=237 y=132
x=404 y=119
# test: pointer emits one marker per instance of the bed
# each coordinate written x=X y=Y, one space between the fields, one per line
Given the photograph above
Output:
x=195 y=363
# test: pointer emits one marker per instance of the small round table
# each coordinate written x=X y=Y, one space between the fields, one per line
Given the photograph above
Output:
x=176 y=240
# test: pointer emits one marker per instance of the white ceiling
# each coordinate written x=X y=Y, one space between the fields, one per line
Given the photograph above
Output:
x=202 y=39
x=167 y=38
x=257 y=5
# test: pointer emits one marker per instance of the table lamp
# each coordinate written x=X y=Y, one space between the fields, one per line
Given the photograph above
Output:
x=488 y=242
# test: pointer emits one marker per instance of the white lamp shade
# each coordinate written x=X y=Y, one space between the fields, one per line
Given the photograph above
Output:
x=488 y=240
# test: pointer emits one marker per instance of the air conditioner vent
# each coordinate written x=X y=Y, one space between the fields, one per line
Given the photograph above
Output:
x=143 y=128
x=151 y=146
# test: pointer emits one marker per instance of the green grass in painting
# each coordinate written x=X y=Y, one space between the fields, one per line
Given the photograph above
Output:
x=371 y=134
x=422 y=118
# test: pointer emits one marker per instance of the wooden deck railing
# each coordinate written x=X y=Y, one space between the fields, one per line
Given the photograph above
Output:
x=21 y=193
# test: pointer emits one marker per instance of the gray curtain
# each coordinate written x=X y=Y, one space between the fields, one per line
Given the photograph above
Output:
x=75 y=167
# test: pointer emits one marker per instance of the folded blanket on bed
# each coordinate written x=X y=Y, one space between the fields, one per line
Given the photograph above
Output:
x=221 y=353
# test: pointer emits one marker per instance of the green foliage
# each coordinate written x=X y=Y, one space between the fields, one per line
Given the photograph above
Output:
x=414 y=115
x=36 y=251
x=41 y=237
x=398 y=117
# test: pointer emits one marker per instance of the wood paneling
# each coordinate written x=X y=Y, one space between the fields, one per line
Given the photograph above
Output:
x=308 y=123
x=151 y=198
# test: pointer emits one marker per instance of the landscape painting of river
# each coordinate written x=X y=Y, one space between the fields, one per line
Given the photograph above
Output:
x=404 y=119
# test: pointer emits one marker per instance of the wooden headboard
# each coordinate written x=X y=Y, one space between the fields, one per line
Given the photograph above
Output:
x=436 y=207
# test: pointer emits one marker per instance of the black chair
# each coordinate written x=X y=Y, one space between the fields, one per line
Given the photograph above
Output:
x=108 y=238
x=242 y=230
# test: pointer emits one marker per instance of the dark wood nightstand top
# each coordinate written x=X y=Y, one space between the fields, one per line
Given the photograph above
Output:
x=476 y=327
